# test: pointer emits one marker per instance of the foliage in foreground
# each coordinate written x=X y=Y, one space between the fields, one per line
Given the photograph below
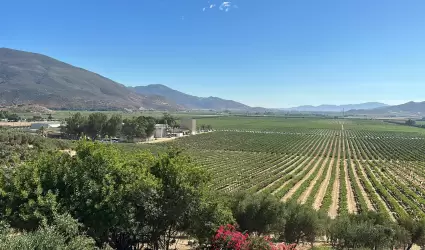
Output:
x=63 y=234
x=122 y=199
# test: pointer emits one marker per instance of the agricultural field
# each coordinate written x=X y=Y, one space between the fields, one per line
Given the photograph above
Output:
x=336 y=166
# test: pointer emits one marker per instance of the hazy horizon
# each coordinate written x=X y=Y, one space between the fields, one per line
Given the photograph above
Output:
x=277 y=54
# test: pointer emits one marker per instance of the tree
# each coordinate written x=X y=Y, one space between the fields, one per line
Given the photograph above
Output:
x=42 y=131
x=168 y=119
x=302 y=223
x=63 y=233
x=76 y=125
x=183 y=186
x=262 y=214
x=113 y=126
x=212 y=213
x=123 y=199
x=13 y=118
x=411 y=122
x=140 y=127
x=368 y=230
x=415 y=229
x=96 y=124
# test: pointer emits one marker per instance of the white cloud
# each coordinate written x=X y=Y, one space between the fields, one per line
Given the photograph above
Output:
x=212 y=6
x=203 y=9
x=226 y=6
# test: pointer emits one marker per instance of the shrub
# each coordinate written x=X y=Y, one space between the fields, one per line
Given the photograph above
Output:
x=227 y=237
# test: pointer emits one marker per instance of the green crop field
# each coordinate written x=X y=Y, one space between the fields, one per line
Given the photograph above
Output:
x=337 y=166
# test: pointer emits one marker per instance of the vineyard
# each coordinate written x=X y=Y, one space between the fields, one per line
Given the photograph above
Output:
x=346 y=167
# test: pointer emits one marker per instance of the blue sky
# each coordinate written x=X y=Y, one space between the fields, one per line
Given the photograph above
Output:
x=271 y=53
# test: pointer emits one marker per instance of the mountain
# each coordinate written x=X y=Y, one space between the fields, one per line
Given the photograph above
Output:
x=410 y=108
x=30 y=78
x=189 y=101
x=337 y=108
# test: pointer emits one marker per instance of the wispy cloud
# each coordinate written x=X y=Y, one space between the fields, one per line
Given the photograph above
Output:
x=227 y=6
x=224 y=6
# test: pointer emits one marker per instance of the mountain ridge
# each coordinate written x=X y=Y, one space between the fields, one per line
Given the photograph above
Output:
x=407 y=108
x=33 y=78
x=190 y=101
x=337 y=108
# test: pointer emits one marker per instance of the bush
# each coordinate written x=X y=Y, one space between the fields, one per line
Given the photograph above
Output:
x=227 y=237
x=62 y=234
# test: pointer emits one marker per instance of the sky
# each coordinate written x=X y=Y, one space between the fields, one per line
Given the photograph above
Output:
x=269 y=53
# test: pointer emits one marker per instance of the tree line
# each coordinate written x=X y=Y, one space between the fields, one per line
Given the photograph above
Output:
x=98 y=126
x=9 y=116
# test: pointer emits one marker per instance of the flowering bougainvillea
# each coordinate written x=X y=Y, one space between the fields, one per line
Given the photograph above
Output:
x=227 y=237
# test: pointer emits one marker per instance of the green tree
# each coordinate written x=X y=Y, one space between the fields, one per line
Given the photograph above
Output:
x=411 y=122
x=76 y=125
x=415 y=229
x=262 y=214
x=140 y=127
x=123 y=199
x=182 y=188
x=96 y=124
x=63 y=233
x=302 y=224
x=212 y=213
x=113 y=126
x=42 y=131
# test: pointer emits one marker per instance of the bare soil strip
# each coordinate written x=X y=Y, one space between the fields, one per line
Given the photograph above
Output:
x=303 y=198
x=322 y=190
x=333 y=210
x=351 y=202
x=296 y=186
x=357 y=179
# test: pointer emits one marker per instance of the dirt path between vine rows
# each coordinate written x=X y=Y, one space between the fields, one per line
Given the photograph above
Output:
x=298 y=184
x=303 y=198
x=333 y=210
x=357 y=179
x=351 y=201
x=322 y=190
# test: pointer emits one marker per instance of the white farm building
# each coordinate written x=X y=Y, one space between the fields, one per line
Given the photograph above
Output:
x=46 y=125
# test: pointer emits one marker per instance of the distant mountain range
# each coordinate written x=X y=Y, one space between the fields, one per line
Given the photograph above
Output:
x=189 y=101
x=337 y=108
x=410 y=108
